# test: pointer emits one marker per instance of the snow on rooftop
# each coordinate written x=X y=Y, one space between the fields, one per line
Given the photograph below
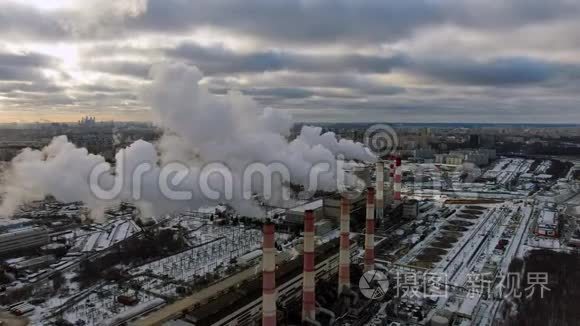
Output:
x=13 y=221
x=573 y=211
x=309 y=206
x=548 y=217
x=468 y=305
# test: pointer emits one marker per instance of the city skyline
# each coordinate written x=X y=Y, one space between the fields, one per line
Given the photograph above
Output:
x=320 y=61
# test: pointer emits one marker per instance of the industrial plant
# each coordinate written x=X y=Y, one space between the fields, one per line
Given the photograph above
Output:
x=398 y=252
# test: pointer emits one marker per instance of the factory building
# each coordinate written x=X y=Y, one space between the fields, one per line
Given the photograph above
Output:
x=33 y=263
x=410 y=209
x=7 y=225
x=547 y=224
x=332 y=206
x=295 y=215
x=21 y=239
x=480 y=157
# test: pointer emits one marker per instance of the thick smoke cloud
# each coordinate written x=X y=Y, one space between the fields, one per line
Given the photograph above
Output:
x=228 y=133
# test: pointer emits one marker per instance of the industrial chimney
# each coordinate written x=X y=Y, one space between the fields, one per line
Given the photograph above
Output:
x=391 y=185
x=268 y=277
x=380 y=178
x=397 y=184
x=344 y=256
x=308 y=287
x=369 y=259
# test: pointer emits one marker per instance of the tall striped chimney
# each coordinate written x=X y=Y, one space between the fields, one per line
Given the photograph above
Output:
x=380 y=178
x=391 y=183
x=344 y=256
x=369 y=259
x=308 y=286
x=268 y=277
x=398 y=178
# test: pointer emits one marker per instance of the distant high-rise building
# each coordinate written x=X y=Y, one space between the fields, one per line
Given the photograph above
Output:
x=424 y=137
x=88 y=121
x=474 y=141
x=488 y=141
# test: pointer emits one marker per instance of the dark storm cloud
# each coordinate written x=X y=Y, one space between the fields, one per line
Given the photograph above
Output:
x=216 y=60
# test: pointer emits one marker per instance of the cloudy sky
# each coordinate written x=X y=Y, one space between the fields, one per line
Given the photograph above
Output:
x=320 y=60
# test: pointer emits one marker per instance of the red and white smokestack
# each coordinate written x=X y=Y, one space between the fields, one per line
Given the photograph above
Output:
x=380 y=178
x=391 y=183
x=308 y=286
x=268 y=277
x=398 y=178
x=369 y=259
x=344 y=256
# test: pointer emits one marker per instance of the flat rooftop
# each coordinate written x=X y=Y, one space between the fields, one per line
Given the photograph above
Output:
x=309 y=206
x=548 y=217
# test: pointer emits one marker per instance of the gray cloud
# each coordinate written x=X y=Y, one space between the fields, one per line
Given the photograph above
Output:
x=15 y=73
x=125 y=68
x=24 y=67
x=328 y=21
x=35 y=87
x=499 y=71
x=22 y=22
x=26 y=60
x=218 y=60
x=410 y=59
x=283 y=22
x=294 y=93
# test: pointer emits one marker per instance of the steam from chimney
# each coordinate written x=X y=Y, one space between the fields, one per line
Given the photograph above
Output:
x=200 y=128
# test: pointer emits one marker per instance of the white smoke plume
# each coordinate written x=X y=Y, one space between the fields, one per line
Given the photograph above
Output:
x=201 y=129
